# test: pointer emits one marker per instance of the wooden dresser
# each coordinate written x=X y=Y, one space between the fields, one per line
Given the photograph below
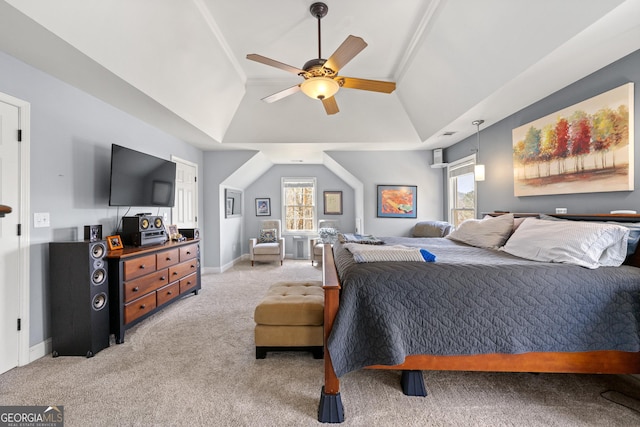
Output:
x=146 y=279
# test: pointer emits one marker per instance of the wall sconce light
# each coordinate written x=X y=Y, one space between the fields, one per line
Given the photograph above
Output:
x=478 y=169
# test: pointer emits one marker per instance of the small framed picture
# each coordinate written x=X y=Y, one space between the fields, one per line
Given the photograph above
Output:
x=172 y=232
x=114 y=242
x=332 y=202
x=263 y=207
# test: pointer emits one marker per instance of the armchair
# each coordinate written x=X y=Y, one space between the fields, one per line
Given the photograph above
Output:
x=328 y=231
x=269 y=245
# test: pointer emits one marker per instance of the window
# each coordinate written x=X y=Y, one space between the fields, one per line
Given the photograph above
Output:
x=299 y=205
x=462 y=190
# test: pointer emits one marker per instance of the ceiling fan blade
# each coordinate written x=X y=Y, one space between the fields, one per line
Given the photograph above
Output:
x=272 y=62
x=346 y=52
x=364 y=84
x=282 y=94
x=330 y=105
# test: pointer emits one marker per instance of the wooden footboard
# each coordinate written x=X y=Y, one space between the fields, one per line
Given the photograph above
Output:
x=600 y=362
x=331 y=286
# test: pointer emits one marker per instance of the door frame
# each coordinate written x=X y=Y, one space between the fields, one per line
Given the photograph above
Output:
x=24 y=123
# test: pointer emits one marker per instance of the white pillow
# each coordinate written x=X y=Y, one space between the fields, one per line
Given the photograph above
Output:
x=583 y=243
x=490 y=232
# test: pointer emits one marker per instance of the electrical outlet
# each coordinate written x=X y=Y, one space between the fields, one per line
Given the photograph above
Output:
x=561 y=210
x=41 y=219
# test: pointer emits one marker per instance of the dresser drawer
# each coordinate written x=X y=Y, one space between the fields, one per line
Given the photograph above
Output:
x=183 y=269
x=139 y=307
x=138 y=287
x=139 y=266
x=167 y=293
x=168 y=258
x=188 y=283
x=188 y=252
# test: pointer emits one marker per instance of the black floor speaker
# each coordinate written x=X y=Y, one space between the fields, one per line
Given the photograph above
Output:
x=79 y=298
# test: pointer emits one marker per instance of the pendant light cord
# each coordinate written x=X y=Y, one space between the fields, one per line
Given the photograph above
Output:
x=478 y=123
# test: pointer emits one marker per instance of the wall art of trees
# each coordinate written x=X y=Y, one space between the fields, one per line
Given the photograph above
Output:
x=579 y=150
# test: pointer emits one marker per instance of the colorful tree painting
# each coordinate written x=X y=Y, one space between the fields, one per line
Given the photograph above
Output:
x=581 y=149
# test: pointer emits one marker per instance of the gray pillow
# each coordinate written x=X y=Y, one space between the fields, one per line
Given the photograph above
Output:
x=490 y=232
x=431 y=229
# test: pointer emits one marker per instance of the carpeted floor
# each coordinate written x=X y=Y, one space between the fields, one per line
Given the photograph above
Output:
x=193 y=364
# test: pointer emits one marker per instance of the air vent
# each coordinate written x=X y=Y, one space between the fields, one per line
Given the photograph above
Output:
x=449 y=133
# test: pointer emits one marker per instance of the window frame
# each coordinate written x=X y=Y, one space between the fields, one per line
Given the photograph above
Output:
x=314 y=183
x=468 y=163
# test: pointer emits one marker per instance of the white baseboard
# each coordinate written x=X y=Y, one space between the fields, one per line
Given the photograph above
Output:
x=217 y=270
x=40 y=350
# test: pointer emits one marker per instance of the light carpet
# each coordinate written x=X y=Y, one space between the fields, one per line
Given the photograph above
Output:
x=193 y=364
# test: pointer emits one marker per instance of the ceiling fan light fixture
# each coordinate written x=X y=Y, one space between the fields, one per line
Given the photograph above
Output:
x=319 y=87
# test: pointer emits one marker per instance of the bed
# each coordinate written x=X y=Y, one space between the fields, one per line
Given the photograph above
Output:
x=478 y=309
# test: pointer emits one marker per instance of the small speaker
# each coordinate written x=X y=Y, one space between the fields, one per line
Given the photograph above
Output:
x=437 y=156
x=190 y=233
x=92 y=232
x=79 y=298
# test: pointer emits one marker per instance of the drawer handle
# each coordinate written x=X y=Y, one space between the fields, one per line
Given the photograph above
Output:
x=168 y=258
x=175 y=273
x=136 y=289
x=188 y=282
x=192 y=266
x=163 y=278
x=170 y=293
x=143 y=306
x=142 y=267
x=188 y=252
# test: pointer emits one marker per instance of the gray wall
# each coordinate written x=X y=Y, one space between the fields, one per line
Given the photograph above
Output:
x=269 y=185
x=71 y=137
x=496 y=192
x=219 y=165
x=375 y=168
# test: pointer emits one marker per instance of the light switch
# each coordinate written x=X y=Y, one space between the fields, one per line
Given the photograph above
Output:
x=41 y=219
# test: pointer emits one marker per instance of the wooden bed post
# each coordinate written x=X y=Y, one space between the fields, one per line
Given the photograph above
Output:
x=330 y=409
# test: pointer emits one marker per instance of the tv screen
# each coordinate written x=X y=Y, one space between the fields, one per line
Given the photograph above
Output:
x=139 y=179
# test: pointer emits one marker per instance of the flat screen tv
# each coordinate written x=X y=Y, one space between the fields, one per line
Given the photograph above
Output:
x=139 y=179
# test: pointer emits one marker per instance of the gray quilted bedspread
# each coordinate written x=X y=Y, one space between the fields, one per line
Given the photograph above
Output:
x=476 y=301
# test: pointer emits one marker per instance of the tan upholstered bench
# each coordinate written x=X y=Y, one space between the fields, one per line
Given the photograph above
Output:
x=290 y=317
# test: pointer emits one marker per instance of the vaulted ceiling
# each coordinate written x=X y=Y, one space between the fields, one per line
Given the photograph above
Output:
x=182 y=67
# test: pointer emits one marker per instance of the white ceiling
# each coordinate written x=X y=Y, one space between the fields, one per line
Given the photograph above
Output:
x=181 y=65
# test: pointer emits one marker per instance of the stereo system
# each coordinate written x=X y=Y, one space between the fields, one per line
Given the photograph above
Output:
x=79 y=298
x=143 y=230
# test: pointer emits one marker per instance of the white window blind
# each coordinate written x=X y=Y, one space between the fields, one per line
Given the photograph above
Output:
x=462 y=190
x=299 y=204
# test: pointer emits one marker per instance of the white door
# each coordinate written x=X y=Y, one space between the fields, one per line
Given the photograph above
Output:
x=9 y=239
x=185 y=211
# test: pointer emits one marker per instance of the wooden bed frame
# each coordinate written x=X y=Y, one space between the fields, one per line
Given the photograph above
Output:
x=600 y=362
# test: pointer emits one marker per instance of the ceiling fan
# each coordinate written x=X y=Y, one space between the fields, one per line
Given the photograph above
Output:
x=321 y=80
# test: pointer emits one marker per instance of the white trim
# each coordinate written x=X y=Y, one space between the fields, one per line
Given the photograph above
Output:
x=40 y=350
x=24 y=119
